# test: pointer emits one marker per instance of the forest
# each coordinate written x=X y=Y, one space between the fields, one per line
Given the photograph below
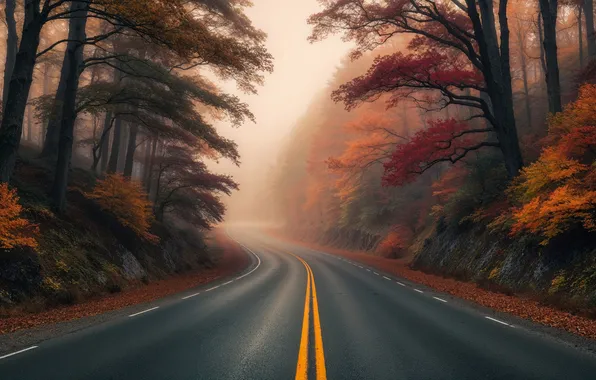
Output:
x=449 y=124
x=109 y=114
x=454 y=134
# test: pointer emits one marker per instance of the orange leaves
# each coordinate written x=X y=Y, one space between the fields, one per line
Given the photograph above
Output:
x=14 y=230
x=396 y=241
x=127 y=201
x=558 y=191
x=552 y=169
x=557 y=212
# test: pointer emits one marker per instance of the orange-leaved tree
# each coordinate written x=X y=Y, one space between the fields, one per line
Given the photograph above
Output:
x=395 y=243
x=558 y=192
x=14 y=230
x=127 y=201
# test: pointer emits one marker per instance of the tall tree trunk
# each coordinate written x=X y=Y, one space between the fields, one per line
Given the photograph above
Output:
x=47 y=80
x=542 y=58
x=115 y=151
x=524 y=70
x=497 y=74
x=105 y=143
x=548 y=10
x=50 y=145
x=29 y=123
x=18 y=92
x=147 y=156
x=580 y=37
x=130 y=150
x=123 y=145
x=149 y=179
x=74 y=51
x=100 y=150
x=12 y=41
x=590 y=33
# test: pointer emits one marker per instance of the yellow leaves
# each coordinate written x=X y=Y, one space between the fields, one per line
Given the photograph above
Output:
x=14 y=230
x=551 y=169
x=127 y=201
x=580 y=113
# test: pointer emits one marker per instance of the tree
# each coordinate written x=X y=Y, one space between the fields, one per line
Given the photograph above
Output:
x=456 y=47
x=548 y=10
x=443 y=141
x=12 y=41
x=199 y=32
x=126 y=200
x=14 y=230
x=73 y=66
x=588 y=6
x=558 y=192
x=186 y=189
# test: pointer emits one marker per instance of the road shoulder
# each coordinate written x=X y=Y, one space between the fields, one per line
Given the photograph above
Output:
x=522 y=311
x=26 y=330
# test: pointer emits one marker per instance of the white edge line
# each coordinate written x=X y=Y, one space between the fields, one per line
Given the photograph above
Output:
x=18 y=352
x=418 y=290
x=144 y=311
x=249 y=250
x=440 y=299
x=496 y=320
x=226 y=283
x=386 y=278
x=400 y=283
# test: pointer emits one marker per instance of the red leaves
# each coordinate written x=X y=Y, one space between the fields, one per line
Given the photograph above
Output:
x=400 y=74
x=444 y=140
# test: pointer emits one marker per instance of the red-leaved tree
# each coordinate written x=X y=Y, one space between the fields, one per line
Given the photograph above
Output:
x=460 y=52
x=443 y=141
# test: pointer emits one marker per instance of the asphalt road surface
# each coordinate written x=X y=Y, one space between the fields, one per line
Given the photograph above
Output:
x=302 y=314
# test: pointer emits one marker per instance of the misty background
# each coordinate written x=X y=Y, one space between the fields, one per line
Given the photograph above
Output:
x=301 y=71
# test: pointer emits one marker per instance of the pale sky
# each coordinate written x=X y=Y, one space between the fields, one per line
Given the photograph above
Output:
x=301 y=70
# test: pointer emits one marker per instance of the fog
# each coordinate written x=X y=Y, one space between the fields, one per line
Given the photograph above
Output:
x=301 y=70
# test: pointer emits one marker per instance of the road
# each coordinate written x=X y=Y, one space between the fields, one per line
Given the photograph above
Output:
x=302 y=314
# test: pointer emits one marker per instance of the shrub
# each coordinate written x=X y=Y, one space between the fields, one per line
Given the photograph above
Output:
x=127 y=201
x=395 y=243
x=14 y=230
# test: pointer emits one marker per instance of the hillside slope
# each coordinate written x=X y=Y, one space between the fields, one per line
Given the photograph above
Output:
x=87 y=252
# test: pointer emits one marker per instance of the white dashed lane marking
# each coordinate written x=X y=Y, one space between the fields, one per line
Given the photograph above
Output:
x=18 y=352
x=496 y=320
x=143 y=312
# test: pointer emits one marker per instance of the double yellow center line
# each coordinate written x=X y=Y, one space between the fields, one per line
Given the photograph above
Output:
x=302 y=367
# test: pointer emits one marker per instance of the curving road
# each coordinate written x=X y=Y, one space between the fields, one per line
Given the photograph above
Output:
x=358 y=324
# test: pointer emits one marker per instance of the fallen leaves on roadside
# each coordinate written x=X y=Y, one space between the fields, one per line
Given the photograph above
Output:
x=526 y=308
x=233 y=260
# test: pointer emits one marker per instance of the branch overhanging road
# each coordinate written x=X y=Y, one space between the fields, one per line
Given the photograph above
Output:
x=302 y=314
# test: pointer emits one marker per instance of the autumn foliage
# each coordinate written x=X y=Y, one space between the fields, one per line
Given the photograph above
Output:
x=443 y=141
x=558 y=192
x=395 y=242
x=127 y=201
x=14 y=230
